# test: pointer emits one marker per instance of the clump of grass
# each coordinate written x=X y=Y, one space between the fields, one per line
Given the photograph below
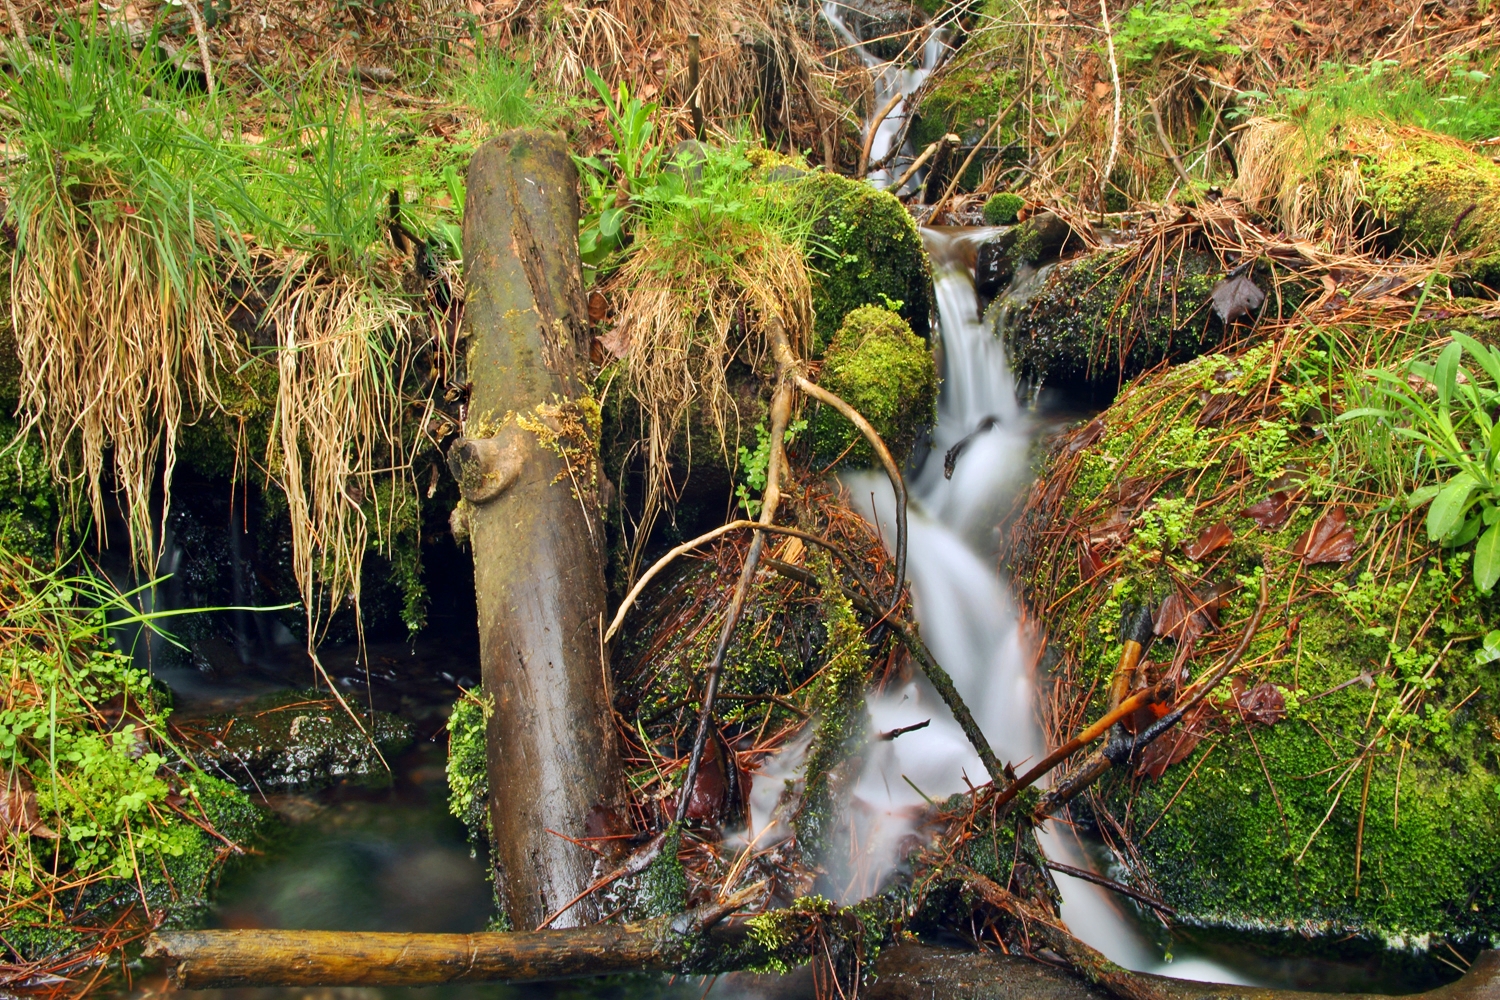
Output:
x=117 y=323
x=502 y=93
x=136 y=207
x=716 y=258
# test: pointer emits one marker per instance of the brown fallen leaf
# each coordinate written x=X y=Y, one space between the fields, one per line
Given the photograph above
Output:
x=1272 y=512
x=1215 y=407
x=18 y=810
x=1135 y=491
x=1236 y=298
x=1110 y=533
x=1089 y=564
x=1330 y=540
x=1181 y=618
x=1264 y=703
x=1209 y=540
x=1086 y=435
x=1178 y=745
x=598 y=306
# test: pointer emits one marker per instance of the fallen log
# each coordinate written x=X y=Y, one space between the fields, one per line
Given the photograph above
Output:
x=200 y=960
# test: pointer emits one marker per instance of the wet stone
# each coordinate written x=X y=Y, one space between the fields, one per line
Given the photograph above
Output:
x=298 y=740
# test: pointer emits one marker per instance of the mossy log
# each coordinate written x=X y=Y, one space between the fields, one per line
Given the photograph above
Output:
x=909 y=971
x=527 y=469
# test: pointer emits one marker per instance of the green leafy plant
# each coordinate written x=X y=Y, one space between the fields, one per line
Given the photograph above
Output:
x=614 y=178
x=1450 y=411
x=1194 y=28
x=755 y=463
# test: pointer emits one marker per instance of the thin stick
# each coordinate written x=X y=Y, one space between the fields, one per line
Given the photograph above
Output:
x=781 y=415
x=20 y=30
x=917 y=163
x=201 y=30
x=1166 y=145
x=892 y=471
x=874 y=126
x=953 y=182
x=1114 y=76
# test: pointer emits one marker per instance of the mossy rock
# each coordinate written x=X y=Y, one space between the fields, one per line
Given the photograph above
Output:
x=865 y=250
x=1096 y=321
x=1000 y=209
x=1433 y=191
x=878 y=366
x=1373 y=806
x=301 y=740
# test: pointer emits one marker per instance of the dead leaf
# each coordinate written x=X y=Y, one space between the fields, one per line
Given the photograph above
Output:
x=18 y=810
x=1236 y=298
x=598 y=306
x=1215 y=407
x=1178 y=745
x=1089 y=564
x=1110 y=534
x=1264 y=703
x=1330 y=540
x=1209 y=540
x=617 y=341
x=1087 y=435
x=1134 y=491
x=1180 y=620
x=1102 y=90
x=1272 y=512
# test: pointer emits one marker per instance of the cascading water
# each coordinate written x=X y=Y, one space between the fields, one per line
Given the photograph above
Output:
x=890 y=79
x=973 y=628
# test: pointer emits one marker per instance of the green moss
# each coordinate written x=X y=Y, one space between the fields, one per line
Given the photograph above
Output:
x=967 y=96
x=1000 y=209
x=36 y=519
x=1435 y=191
x=879 y=367
x=1277 y=826
x=840 y=712
x=467 y=767
x=663 y=885
x=864 y=250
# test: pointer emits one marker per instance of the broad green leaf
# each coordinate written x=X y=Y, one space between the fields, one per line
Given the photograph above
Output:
x=1445 y=373
x=1417 y=498
x=1487 y=559
x=1466 y=534
x=1447 y=510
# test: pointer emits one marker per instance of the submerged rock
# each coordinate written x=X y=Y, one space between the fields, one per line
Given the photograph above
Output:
x=1346 y=780
x=299 y=740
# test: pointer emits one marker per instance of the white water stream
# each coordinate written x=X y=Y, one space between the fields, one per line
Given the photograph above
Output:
x=890 y=79
x=973 y=627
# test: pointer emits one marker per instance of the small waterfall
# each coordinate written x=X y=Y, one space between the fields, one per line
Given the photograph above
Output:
x=890 y=78
x=972 y=624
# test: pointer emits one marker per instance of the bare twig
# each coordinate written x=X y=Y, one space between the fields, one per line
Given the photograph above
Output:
x=874 y=126
x=1114 y=77
x=201 y=31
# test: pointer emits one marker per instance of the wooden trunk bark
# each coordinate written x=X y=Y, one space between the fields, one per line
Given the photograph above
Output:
x=529 y=479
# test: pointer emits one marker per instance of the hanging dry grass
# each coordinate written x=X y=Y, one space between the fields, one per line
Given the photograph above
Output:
x=685 y=318
x=118 y=336
x=336 y=447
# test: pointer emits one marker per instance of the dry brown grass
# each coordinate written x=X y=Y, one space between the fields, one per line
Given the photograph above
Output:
x=343 y=347
x=684 y=323
x=114 y=355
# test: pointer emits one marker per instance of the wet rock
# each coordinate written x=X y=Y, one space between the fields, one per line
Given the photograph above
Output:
x=864 y=250
x=298 y=740
x=1041 y=237
x=884 y=26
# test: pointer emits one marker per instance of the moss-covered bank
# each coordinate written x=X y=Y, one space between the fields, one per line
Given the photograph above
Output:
x=1348 y=781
